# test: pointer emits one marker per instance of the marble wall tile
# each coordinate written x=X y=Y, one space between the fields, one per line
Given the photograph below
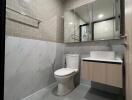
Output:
x=28 y=65
x=86 y=47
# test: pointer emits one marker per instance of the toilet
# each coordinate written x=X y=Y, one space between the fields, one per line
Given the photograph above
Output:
x=65 y=76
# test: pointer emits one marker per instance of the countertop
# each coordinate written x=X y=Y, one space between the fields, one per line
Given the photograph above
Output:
x=116 y=60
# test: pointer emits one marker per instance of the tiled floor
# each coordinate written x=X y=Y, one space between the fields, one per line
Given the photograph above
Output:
x=82 y=93
x=76 y=94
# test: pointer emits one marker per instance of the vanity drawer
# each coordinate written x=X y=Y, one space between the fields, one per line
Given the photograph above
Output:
x=114 y=75
x=105 y=73
x=87 y=70
x=99 y=72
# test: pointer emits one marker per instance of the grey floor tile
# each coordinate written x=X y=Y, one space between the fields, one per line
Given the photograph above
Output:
x=81 y=93
x=94 y=94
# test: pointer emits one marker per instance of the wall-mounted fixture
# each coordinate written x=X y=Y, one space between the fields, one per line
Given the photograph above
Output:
x=98 y=20
x=22 y=18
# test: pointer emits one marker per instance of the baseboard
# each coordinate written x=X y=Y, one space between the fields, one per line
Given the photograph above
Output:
x=41 y=91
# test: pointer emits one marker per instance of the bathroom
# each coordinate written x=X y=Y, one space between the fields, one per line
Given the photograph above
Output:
x=68 y=50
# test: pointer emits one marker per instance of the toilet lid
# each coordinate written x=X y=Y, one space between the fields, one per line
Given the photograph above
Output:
x=64 y=71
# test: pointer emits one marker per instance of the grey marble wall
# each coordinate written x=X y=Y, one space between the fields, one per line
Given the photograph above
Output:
x=86 y=47
x=28 y=66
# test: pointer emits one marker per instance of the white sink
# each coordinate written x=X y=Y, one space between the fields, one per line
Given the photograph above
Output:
x=107 y=55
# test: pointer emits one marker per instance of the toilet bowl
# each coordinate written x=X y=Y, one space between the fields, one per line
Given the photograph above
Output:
x=65 y=76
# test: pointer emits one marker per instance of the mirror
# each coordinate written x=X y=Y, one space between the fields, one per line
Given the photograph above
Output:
x=99 y=20
x=69 y=26
x=85 y=14
x=106 y=20
x=77 y=25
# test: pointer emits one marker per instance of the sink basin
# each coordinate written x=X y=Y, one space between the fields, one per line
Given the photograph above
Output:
x=103 y=56
x=109 y=55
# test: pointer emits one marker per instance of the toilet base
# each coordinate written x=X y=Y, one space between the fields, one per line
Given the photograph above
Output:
x=65 y=87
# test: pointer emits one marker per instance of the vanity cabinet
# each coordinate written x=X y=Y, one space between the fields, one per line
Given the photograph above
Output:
x=114 y=75
x=101 y=72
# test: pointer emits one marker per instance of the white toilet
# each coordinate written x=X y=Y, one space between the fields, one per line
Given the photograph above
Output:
x=64 y=76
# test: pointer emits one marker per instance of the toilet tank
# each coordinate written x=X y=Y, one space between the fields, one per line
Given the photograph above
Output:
x=72 y=61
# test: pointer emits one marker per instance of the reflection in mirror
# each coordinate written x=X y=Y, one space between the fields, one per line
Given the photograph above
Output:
x=103 y=9
x=85 y=14
x=77 y=24
x=104 y=30
x=85 y=33
x=68 y=26
x=99 y=20
x=71 y=26
x=106 y=19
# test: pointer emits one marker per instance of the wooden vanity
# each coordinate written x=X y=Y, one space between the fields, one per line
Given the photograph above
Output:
x=108 y=73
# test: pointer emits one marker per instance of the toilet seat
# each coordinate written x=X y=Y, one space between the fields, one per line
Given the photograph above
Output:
x=64 y=71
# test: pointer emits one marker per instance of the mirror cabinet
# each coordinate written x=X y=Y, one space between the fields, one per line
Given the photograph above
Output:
x=99 y=20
